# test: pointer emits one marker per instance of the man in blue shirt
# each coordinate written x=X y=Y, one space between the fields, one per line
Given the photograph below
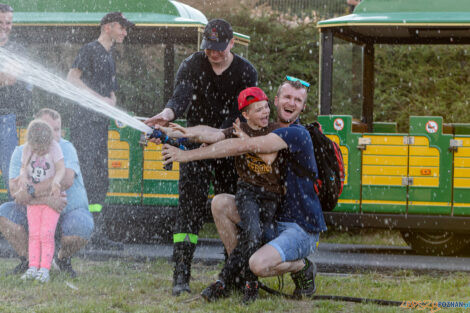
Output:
x=300 y=220
x=75 y=223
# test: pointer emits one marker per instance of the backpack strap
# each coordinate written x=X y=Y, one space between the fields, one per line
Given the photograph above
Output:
x=301 y=170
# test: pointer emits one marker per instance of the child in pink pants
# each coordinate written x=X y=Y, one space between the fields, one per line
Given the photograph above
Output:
x=41 y=159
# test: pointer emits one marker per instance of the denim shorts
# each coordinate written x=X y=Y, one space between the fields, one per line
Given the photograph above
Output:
x=293 y=242
x=76 y=222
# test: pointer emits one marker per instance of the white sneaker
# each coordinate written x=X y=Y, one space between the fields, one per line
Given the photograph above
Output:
x=43 y=275
x=30 y=274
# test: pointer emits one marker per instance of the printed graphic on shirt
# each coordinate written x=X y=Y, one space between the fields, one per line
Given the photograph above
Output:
x=39 y=168
x=257 y=165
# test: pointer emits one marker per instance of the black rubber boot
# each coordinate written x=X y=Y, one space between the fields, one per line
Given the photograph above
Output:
x=182 y=256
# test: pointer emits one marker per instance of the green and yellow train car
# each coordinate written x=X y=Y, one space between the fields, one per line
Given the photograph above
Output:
x=417 y=182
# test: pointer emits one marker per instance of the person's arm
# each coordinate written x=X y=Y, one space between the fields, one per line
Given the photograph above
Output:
x=6 y=79
x=268 y=158
x=181 y=98
x=68 y=179
x=229 y=147
x=199 y=133
x=56 y=186
x=353 y=2
x=75 y=77
x=113 y=97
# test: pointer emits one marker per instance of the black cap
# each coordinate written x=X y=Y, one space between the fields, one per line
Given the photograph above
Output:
x=217 y=35
x=116 y=17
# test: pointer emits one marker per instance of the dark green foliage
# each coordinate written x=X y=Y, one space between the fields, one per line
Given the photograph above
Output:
x=422 y=80
x=277 y=50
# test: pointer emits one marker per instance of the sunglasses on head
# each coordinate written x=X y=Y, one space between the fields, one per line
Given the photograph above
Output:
x=294 y=79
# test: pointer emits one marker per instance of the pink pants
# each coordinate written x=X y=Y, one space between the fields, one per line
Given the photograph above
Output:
x=42 y=221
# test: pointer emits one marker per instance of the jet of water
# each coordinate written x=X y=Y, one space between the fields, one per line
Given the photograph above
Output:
x=33 y=73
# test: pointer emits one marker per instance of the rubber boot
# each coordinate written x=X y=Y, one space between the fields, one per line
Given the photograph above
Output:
x=182 y=256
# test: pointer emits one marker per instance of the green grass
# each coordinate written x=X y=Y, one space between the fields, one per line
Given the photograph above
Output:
x=364 y=237
x=356 y=236
x=117 y=286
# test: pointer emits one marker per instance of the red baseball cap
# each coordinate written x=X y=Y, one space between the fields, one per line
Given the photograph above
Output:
x=250 y=95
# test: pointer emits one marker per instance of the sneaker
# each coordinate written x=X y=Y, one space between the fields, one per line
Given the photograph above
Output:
x=251 y=292
x=214 y=292
x=20 y=268
x=65 y=266
x=304 y=280
x=42 y=275
x=30 y=274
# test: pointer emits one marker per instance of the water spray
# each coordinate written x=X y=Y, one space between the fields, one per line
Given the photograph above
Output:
x=34 y=74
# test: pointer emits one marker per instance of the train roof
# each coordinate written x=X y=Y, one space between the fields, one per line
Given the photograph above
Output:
x=404 y=22
x=174 y=21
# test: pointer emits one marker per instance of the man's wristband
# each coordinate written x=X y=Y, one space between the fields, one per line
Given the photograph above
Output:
x=31 y=190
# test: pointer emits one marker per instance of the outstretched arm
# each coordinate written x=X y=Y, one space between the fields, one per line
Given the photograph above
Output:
x=200 y=133
x=229 y=147
x=75 y=77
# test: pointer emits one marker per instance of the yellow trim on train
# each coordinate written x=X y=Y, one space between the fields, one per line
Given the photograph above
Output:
x=152 y=165
x=423 y=151
x=386 y=140
x=152 y=195
x=146 y=195
x=385 y=160
x=463 y=152
x=118 y=156
x=384 y=170
x=382 y=180
x=462 y=183
x=348 y=201
x=364 y=201
x=413 y=203
x=386 y=150
x=162 y=175
x=424 y=161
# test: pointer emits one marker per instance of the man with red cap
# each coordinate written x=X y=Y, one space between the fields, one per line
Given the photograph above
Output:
x=259 y=188
x=299 y=221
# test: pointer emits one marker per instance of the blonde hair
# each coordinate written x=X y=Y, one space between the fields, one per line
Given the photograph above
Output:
x=39 y=133
x=46 y=111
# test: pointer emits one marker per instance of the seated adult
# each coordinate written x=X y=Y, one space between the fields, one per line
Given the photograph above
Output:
x=300 y=219
x=75 y=223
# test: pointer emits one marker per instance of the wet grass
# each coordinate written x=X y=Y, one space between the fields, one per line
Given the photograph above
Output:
x=355 y=236
x=364 y=237
x=118 y=286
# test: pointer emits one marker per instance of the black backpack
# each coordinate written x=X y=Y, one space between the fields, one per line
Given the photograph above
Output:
x=330 y=181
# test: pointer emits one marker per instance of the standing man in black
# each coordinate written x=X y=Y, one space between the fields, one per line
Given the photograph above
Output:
x=94 y=70
x=15 y=96
x=207 y=86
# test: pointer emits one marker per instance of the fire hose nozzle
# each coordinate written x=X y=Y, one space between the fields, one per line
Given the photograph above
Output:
x=165 y=139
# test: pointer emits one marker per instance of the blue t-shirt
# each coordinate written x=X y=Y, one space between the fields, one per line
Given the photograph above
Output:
x=76 y=194
x=301 y=204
